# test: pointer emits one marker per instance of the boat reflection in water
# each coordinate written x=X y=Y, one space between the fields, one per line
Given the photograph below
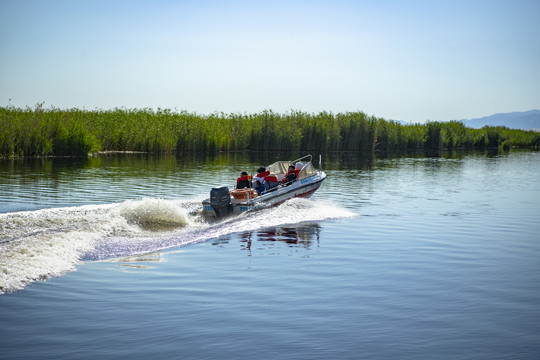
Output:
x=305 y=236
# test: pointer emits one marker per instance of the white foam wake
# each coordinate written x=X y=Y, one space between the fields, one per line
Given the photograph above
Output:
x=37 y=245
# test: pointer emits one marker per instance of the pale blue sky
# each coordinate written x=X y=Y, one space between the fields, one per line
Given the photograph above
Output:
x=402 y=60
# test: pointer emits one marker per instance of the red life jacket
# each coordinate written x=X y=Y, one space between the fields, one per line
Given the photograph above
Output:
x=242 y=178
x=296 y=171
x=243 y=182
x=271 y=178
x=288 y=178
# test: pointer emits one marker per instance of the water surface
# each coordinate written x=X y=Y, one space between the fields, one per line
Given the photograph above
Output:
x=394 y=257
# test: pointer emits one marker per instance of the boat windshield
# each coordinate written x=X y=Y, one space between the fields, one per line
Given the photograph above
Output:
x=307 y=171
x=282 y=167
x=279 y=167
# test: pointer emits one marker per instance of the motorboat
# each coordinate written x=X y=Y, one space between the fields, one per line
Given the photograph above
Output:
x=223 y=201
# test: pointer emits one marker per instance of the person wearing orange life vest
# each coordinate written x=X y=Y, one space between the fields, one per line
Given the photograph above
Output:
x=243 y=181
x=261 y=173
x=298 y=167
x=291 y=175
x=265 y=178
x=271 y=181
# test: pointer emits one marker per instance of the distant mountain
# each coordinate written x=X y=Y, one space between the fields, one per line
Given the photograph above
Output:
x=526 y=120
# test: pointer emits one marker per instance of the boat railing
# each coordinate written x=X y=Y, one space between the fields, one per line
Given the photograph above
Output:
x=302 y=158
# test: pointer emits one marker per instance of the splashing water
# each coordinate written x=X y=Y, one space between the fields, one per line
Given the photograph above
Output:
x=37 y=245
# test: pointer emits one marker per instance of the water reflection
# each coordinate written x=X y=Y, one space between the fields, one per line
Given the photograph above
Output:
x=35 y=183
x=305 y=236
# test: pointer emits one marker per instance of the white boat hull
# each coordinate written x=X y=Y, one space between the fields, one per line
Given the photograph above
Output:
x=300 y=188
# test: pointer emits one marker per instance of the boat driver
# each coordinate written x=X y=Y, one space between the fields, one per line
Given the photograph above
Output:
x=290 y=176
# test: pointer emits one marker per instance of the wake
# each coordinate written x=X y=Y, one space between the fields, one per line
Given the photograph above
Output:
x=37 y=245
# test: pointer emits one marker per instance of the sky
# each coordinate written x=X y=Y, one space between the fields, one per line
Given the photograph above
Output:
x=399 y=60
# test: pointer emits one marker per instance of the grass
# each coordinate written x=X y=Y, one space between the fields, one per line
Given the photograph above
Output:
x=74 y=132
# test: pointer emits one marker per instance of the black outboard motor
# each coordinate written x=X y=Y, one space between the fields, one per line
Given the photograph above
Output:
x=221 y=200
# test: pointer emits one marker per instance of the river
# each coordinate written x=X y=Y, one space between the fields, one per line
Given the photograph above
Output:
x=408 y=257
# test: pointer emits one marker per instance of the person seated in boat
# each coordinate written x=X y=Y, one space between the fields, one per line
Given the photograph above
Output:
x=271 y=181
x=261 y=174
x=290 y=176
x=243 y=181
x=259 y=187
x=298 y=167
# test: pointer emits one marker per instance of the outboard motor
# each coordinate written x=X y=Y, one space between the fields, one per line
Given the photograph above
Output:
x=220 y=199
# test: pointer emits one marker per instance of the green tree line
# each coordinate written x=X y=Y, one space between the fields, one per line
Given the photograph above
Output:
x=74 y=132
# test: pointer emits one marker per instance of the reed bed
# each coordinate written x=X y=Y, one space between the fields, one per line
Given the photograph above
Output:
x=74 y=132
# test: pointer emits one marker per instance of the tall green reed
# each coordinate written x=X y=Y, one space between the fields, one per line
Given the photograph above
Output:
x=74 y=132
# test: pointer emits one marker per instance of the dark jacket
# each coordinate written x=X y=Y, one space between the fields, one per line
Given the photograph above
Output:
x=243 y=182
x=290 y=177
